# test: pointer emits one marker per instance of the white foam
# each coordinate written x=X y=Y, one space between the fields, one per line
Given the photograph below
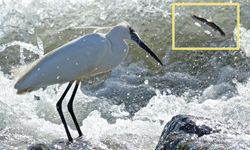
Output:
x=25 y=121
x=39 y=119
x=244 y=40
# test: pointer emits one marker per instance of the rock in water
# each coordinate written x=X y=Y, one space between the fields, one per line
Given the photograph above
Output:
x=185 y=132
x=78 y=144
x=40 y=146
x=181 y=132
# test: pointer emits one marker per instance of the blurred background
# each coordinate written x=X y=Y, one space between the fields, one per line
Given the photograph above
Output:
x=129 y=109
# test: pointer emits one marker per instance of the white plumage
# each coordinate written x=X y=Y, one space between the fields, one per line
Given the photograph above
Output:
x=86 y=56
x=81 y=58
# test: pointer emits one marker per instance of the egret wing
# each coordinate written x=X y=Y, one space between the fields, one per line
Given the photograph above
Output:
x=71 y=61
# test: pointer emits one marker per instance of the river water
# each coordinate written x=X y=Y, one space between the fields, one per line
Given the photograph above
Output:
x=130 y=108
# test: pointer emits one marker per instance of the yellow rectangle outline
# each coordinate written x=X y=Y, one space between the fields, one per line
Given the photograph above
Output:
x=206 y=48
x=206 y=4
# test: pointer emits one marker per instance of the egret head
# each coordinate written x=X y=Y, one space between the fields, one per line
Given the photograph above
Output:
x=125 y=31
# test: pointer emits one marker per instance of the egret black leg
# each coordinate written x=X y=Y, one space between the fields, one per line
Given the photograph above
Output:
x=59 y=109
x=70 y=108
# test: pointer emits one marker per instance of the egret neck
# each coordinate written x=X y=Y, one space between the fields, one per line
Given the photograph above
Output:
x=119 y=47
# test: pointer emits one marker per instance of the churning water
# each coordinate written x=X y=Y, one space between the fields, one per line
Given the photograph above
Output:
x=125 y=111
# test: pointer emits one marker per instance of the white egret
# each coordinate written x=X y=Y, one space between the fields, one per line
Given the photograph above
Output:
x=77 y=60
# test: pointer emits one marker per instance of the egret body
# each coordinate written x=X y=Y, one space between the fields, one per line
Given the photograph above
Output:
x=77 y=60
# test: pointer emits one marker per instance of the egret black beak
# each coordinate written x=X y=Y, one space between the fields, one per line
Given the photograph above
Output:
x=135 y=37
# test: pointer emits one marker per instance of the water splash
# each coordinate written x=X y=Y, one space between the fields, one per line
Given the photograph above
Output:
x=129 y=109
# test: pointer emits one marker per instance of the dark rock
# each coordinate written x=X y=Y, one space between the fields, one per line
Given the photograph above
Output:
x=78 y=144
x=181 y=132
x=190 y=127
x=40 y=146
